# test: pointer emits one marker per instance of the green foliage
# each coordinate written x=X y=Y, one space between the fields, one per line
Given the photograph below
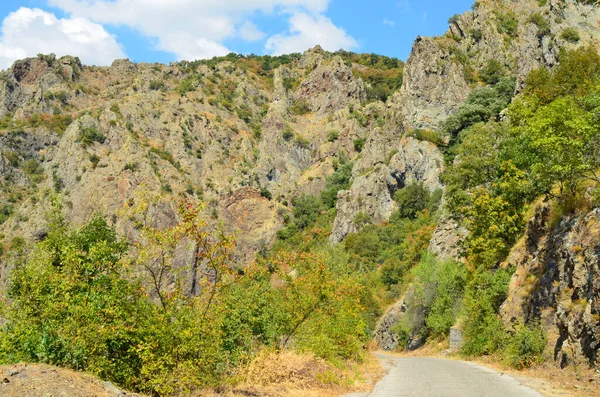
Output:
x=414 y=198
x=70 y=306
x=74 y=303
x=306 y=210
x=288 y=133
x=333 y=136
x=300 y=107
x=507 y=23
x=302 y=142
x=186 y=85
x=264 y=192
x=157 y=85
x=541 y=22
x=435 y=299
x=88 y=135
x=526 y=346
x=492 y=72
x=570 y=34
x=339 y=180
x=482 y=327
x=5 y=211
x=359 y=144
x=131 y=167
x=482 y=105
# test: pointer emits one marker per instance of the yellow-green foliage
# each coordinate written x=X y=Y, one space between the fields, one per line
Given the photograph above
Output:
x=75 y=302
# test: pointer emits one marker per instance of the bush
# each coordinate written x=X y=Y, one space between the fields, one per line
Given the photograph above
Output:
x=339 y=180
x=333 y=136
x=541 y=22
x=300 y=107
x=412 y=199
x=570 y=34
x=156 y=85
x=507 y=23
x=288 y=133
x=492 y=72
x=306 y=210
x=88 y=135
x=526 y=346
x=359 y=144
x=483 y=328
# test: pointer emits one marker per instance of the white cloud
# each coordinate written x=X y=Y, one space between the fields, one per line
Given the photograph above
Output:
x=389 y=22
x=249 y=32
x=203 y=24
x=307 y=31
x=27 y=32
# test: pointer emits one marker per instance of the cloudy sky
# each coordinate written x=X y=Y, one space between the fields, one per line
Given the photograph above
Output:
x=99 y=31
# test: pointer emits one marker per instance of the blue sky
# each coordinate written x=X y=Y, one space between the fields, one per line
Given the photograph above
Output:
x=99 y=31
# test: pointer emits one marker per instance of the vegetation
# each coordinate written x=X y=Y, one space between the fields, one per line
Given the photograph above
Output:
x=88 y=135
x=75 y=303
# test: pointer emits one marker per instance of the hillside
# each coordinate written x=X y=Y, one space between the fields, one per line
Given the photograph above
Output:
x=291 y=199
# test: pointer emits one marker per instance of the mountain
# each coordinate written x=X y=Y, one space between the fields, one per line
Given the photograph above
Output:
x=253 y=136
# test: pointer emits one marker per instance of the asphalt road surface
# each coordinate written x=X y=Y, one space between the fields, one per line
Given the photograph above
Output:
x=432 y=377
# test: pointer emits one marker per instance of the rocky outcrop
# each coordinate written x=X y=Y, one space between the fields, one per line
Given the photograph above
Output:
x=446 y=239
x=434 y=86
x=331 y=87
x=557 y=281
x=372 y=192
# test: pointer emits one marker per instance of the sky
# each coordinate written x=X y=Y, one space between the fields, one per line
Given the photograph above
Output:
x=99 y=31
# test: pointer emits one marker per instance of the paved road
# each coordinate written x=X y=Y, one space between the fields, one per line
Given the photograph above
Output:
x=432 y=377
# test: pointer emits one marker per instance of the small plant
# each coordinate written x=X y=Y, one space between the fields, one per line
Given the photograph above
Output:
x=131 y=167
x=359 y=144
x=264 y=192
x=156 y=85
x=288 y=133
x=94 y=159
x=570 y=34
x=89 y=135
x=526 y=346
x=302 y=142
x=333 y=136
x=507 y=23
x=541 y=22
x=300 y=107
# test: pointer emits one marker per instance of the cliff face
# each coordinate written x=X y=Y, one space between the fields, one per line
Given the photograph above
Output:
x=241 y=138
x=438 y=77
x=558 y=280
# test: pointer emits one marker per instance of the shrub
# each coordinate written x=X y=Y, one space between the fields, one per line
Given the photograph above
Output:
x=94 y=159
x=507 y=23
x=300 y=107
x=333 y=136
x=570 y=34
x=359 y=144
x=264 y=192
x=483 y=327
x=412 y=199
x=131 y=167
x=339 y=180
x=302 y=142
x=156 y=85
x=288 y=133
x=492 y=72
x=541 y=22
x=526 y=346
x=306 y=210
x=88 y=135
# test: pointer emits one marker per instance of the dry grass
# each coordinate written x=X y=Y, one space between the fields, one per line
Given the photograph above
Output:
x=288 y=373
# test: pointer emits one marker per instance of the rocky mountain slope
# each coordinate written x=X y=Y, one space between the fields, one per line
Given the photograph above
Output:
x=248 y=135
